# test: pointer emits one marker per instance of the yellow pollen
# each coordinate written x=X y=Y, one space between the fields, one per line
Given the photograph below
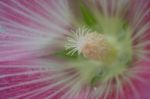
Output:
x=97 y=47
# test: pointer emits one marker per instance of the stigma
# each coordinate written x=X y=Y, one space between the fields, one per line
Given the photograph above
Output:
x=92 y=45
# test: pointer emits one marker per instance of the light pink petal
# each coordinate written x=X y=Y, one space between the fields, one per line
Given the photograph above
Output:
x=31 y=26
x=34 y=79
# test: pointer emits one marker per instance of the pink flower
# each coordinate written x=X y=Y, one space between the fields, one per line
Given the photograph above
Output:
x=65 y=49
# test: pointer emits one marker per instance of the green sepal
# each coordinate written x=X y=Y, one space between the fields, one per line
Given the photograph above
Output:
x=63 y=54
x=87 y=16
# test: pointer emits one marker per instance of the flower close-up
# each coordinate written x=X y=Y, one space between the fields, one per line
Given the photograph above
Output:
x=74 y=49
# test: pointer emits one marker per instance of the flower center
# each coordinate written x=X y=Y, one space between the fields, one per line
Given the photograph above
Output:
x=104 y=56
x=92 y=45
x=97 y=47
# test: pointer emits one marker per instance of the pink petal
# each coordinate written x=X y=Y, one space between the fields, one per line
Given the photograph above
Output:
x=31 y=26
